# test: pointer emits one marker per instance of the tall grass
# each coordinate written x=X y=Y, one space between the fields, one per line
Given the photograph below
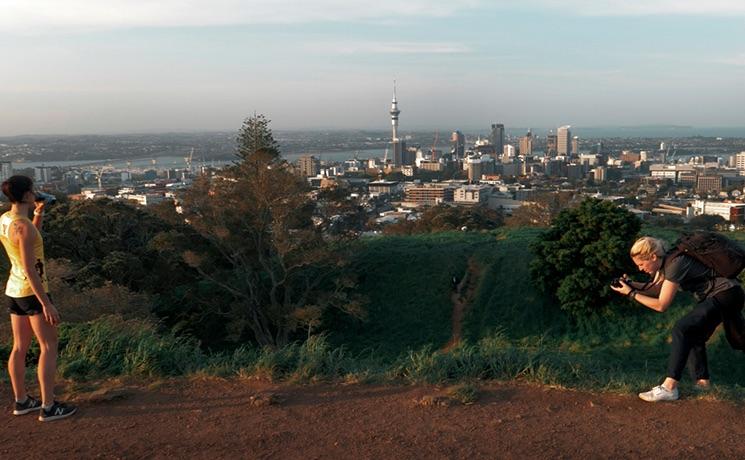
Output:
x=110 y=346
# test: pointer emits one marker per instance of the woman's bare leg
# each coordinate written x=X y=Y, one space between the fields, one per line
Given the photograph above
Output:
x=46 y=334
x=17 y=360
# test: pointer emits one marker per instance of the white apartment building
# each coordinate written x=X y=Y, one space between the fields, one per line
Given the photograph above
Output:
x=740 y=163
x=672 y=172
x=472 y=194
x=731 y=212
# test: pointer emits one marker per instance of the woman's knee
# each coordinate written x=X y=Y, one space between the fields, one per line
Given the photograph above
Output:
x=19 y=349
x=49 y=344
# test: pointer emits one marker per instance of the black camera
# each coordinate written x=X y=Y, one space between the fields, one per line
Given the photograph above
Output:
x=617 y=282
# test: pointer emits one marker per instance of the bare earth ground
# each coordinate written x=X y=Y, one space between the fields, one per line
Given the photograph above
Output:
x=214 y=418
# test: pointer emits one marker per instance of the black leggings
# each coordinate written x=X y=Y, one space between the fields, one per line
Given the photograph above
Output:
x=693 y=330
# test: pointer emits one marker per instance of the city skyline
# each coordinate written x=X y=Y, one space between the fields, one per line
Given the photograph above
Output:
x=81 y=67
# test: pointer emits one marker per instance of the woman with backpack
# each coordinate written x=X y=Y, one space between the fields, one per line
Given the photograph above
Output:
x=720 y=300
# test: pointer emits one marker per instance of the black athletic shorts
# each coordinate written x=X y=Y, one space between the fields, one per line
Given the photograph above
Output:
x=24 y=306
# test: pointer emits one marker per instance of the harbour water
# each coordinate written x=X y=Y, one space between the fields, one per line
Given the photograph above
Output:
x=173 y=162
x=168 y=162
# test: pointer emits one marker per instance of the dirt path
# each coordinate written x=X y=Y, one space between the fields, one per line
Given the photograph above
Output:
x=215 y=419
x=462 y=296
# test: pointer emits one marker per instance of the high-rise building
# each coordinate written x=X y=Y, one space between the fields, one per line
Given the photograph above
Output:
x=497 y=137
x=6 y=170
x=575 y=146
x=600 y=174
x=458 y=140
x=508 y=154
x=42 y=174
x=551 y=144
x=740 y=161
x=308 y=166
x=563 y=140
x=526 y=144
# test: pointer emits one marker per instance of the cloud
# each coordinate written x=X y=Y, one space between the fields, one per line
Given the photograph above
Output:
x=389 y=48
x=33 y=16
x=642 y=7
x=737 y=60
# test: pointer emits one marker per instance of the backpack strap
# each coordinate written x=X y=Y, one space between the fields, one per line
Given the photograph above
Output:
x=670 y=255
x=678 y=251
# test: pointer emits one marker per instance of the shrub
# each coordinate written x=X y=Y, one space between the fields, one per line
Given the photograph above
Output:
x=583 y=250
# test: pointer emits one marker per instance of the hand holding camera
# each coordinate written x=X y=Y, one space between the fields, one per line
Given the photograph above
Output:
x=617 y=282
x=621 y=285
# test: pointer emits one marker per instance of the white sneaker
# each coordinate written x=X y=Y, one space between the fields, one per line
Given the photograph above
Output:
x=659 y=393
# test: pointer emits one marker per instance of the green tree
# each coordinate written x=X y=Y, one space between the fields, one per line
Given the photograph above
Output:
x=266 y=251
x=255 y=136
x=112 y=242
x=576 y=258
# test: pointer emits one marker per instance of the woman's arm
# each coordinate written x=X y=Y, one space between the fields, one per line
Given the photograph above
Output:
x=667 y=291
x=24 y=235
x=38 y=214
x=660 y=303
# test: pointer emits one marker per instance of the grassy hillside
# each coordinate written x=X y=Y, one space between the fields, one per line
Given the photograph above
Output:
x=407 y=280
x=510 y=330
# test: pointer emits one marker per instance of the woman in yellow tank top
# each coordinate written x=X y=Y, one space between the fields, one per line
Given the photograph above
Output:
x=31 y=308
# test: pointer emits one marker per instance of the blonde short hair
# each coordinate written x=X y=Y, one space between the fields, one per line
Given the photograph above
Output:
x=646 y=246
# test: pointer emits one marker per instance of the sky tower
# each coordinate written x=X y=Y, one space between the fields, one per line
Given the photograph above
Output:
x=394 y=114
x=395 y=141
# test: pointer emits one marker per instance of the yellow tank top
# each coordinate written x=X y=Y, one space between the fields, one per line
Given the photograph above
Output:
x=18 y=285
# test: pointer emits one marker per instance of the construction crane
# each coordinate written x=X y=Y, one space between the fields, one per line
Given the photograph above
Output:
x=99 y=174
x=188 y=160
x=671 y=159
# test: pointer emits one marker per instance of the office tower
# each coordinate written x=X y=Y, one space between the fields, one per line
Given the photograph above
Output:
x=458 y=141
x=526 y=144
x=508 y=154
x=600 y=174
x=551 y=144
x=474 y=167
x=308 y=166
x=497 y=137
x=563 y=140
x=6 y=170
x=42 y=174
x=740 y=161
x=575 y=146
x=397 y=144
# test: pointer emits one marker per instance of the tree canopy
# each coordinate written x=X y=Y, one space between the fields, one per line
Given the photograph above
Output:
x=266 y=251
x=584 y=249
x=255 y=136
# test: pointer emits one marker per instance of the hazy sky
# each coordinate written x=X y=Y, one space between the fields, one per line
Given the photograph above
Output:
x=111 y=66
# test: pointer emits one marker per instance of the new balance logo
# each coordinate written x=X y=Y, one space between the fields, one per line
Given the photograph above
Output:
x=59 y=411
